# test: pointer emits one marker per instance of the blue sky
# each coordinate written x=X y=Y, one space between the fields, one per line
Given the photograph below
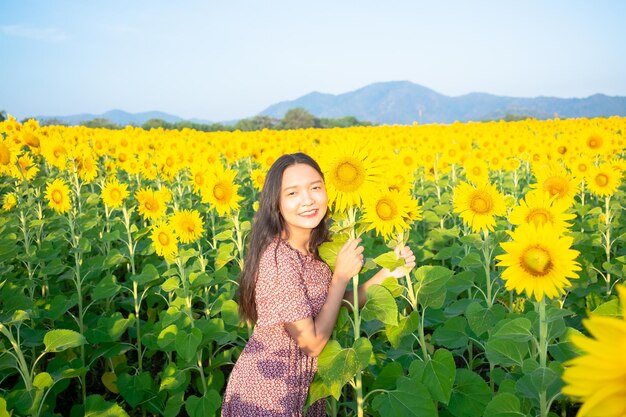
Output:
x=231 y=59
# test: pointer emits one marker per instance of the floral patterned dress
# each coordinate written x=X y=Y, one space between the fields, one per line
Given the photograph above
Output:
x=272 y=375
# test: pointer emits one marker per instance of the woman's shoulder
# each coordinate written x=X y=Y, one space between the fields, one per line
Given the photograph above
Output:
x=277 y=251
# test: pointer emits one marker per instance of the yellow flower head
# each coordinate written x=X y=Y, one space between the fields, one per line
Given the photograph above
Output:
x=164 y=240
x=58 y=196
x=258 y=178
x=390 y=212
x=557 y=182
x=151 y=205
x=539 y=208
x=476 y=170
x=9 y=201
x=221 y=192
x=352 y=172
x=598 y=376
x=187 y=224
x=603 y=180
x=538 y=261
x=478 y=205
x=114 y=193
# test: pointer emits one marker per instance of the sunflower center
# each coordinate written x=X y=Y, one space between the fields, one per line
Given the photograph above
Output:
x=5 y=154
x=408 y=161
x=582 y=167
x=221 y=192
x=57 y=196
x=169 y=161
x=594 y=141
x=31 y=140
x=116 y=194
x=386 y=209
x=476 y=171
x=556 y=186
x=58 y=151
x=164 y=238
x=601 y=180
x=561 y=149
x=189 y=225
x=481 y=202
x=536 y=261
x=538 y=216
x=198 y=179
x=151 y=205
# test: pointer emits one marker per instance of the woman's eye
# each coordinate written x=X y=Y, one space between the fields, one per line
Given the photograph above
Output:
x=291 y=193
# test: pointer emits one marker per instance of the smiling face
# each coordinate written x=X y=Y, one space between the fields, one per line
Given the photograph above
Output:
x=303 y=200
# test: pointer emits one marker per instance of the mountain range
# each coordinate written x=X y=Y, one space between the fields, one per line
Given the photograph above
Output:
x=404 y=102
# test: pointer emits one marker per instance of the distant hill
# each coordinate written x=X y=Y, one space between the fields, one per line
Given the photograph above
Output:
x=403 y=102
x=119 y=117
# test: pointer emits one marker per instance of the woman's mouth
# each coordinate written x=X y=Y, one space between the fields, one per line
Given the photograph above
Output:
x=309 y=213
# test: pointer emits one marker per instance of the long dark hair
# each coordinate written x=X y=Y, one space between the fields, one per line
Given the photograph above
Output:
x=268 y=224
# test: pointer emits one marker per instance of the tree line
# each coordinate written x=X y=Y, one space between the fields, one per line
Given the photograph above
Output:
x=297 y=118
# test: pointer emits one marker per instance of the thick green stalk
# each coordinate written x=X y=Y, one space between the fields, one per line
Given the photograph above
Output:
x=543 y=353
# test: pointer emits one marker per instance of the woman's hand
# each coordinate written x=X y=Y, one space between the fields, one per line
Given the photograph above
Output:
x=409 y=261
x=349 y=260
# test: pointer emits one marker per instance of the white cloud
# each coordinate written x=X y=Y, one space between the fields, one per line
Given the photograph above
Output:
x=40 y=34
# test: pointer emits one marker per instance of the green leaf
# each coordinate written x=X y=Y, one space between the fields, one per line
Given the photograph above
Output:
x=204 y=406
x=470 y=260
x=167 y=338
x=389 y=260
x=134 y=388
x=411 y=398
x=174 y=404
x=504 y=405
x=506 y=352
x=187 y=344
x=517 y=329
x=230 y=312
x=406 y=326
x=470 y=394
x=3 y=408
x=224 y=255
x=109 y=329
x=317 y=390
x=97 y=407
x=388 y=376
x=106 y=288
x=62 y=339
x=438 y=375
x=610 y=309
x=431 y=285
x=380 y=305
x=328 y=250
x=199 y=280
x=170 y=284
x=43 y=380
x=171 y=378
x=393 y=286
x=481 y=319
x=337 y=366
x=148 y=275
x=225 y=235
x=453 y=334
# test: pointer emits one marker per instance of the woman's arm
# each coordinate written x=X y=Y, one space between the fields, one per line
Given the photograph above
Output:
x=312 y=334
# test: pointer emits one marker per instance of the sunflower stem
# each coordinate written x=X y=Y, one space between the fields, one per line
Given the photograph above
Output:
x=543 y=352
x=607 y=241
x=487 y=265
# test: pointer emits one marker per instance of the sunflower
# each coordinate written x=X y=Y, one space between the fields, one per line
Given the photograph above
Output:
x=390 y=212
x=221 y=191
x=352 y=172
x=9 y=201
x=258 y=178
x=8 y=157
x=603 y=180
x=538 y=261
x=476 y=170
x=151 y=204
x=114 y=193
x=187 y=225
x=478 y=205
x=164 y=240
x=27 y=166
x=598 y=376
x=86 y=166
x=556 y=181
x=58 y=195
x=539 y=208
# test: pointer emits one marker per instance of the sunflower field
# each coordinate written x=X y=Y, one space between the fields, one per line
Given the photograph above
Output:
x=120 y=253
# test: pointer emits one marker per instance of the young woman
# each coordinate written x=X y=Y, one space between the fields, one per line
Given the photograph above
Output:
x=290 y=293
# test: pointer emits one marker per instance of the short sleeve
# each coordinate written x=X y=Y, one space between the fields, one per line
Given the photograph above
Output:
x=281 y=295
